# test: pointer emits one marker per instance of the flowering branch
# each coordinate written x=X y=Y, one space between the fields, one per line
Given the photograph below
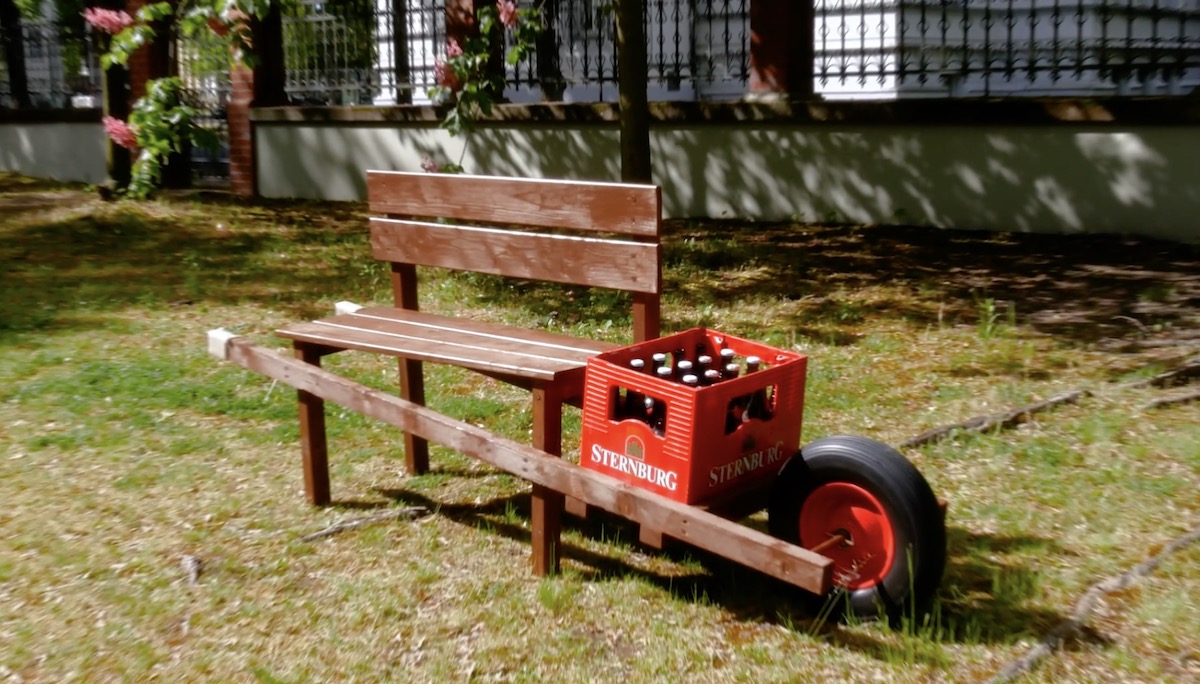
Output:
x=162 y=123
x=463 y=76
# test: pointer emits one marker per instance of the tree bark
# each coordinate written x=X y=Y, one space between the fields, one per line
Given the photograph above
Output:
x=631 y=86
x=402 y=74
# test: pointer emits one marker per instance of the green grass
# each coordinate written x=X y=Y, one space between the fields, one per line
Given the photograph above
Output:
x=124 y=447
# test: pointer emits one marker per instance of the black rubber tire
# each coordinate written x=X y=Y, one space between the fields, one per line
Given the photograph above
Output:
x=907 y=584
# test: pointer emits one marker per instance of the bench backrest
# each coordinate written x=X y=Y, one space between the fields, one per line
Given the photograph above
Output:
x=575 y=232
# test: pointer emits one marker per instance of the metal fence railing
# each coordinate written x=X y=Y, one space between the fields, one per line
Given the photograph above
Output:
x=361 y=52
x=699 y=49
x=62 y=65
x=365 y=52
x=959 y=48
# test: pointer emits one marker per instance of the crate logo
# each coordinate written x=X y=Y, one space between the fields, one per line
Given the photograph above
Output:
x=632 y=463
x=635 y=448
x=751 y=462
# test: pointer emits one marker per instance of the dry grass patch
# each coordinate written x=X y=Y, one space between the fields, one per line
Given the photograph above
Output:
x=124 y=449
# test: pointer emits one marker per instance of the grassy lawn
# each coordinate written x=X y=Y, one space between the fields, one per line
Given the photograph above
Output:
x=125 y=449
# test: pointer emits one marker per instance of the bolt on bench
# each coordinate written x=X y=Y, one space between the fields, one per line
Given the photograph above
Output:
x=579 y=233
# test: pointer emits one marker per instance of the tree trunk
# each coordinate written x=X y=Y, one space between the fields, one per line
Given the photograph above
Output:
x=402 y=77
x=631 y=86
x=549 y=71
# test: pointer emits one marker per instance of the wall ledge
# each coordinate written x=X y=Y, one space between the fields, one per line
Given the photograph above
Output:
x=964 y=112
x=49 y=116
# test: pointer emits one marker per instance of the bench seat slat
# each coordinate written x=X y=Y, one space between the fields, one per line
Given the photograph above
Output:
x=471 y=344
x=597 y=262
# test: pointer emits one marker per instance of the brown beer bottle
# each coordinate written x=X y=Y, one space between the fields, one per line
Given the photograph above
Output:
x=758 y=406
x=635 y=402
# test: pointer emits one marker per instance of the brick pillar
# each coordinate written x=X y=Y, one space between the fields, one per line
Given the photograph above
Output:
x=260 y=87
x=782 y=57
x=150 y=62
x=241 y=138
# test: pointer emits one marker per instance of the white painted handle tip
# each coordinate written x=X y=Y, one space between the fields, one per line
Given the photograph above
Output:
x=218 y=343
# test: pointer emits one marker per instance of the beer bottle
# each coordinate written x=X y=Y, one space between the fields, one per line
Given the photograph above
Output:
x=710 y=377
x=635 y=402
x=683 y=368
x=703 y=362
x=727 y=356
x=659 y=359
x=752 y=364
x=690 y=380
x=731 y=370
x=758 y=406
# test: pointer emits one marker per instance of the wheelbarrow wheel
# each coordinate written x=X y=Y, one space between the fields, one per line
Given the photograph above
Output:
x=865 y=506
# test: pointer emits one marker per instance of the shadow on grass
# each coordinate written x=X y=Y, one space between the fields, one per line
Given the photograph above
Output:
x=1115 y=291
x=68 y=273
x=1112 y=290
x=982 y=601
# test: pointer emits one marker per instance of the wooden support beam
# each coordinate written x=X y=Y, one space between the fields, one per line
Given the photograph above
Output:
x=787 y=562
x=546 y=505
x=314 y=448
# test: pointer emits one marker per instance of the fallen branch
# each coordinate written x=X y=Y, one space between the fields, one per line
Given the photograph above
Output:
x=1177 y=399
x=409 y=512
x=1084 y=607
x=1175 y=376
x=996 y=420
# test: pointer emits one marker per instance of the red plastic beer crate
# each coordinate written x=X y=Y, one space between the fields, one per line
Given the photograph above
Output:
x=704 y=446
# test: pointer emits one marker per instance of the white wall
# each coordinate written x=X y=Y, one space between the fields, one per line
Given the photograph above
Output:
x=62 y=151
x=1068 y=179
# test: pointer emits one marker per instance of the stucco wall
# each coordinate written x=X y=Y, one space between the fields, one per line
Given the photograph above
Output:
x=1085 y=177
x=1025 y=166
x=67 y=151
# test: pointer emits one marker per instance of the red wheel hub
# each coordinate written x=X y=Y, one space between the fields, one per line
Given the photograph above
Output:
x=841 y=508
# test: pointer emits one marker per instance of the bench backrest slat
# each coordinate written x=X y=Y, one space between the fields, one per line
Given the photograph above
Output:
x=574 y=205
x=616 y=264
x=582 y=233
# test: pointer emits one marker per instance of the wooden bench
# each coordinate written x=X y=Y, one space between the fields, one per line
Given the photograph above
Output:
x=582 y=233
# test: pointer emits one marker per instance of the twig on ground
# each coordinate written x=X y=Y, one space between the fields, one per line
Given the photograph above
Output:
x=996 y=420
x=1177 y=399
x=1175 y=376
x=1084 y=607
x=409 y=512
x=1136 y=323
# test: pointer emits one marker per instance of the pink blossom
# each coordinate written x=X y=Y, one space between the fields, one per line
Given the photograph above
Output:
x=109 y=21
x=120 y=132
x=444 y=74
x=508 y=12
x=453 y=49
x=428 y=165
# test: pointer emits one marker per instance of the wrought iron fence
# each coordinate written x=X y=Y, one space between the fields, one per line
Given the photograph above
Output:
x=62 y=65
x=699 y=49
x=964 y=48
x=203 y=61
x=361 y=52
x=695 y=49
x=384 y=51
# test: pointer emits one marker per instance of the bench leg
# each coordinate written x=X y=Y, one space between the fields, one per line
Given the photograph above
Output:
x=313 y=447
x=547 y=504
x=412 y=388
